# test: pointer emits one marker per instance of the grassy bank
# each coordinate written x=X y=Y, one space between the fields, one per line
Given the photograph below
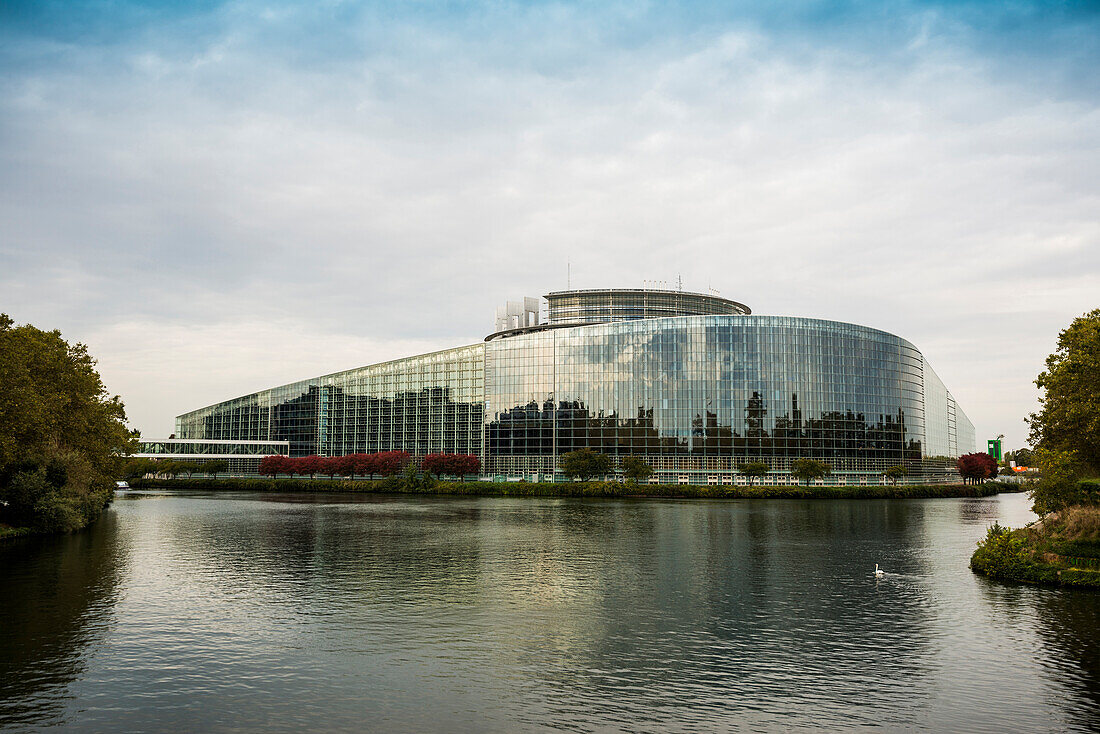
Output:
x=7 y=532
x=581 y=489
x=1063 y=549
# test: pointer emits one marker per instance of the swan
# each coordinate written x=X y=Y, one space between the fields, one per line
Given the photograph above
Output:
x=878 y=571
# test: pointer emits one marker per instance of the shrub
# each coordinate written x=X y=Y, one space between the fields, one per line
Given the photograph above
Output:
x=1002 y=553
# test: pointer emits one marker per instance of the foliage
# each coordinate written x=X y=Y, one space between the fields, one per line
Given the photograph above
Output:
x=1002 y=554
x=584 y=464
x=591 y=489
x=1059 y=484
x=1063 y=549
x=1022 y=457
x=62 y=435
x=310 y=465
x=753 y=469
x=977 y=467
x=896 y=472
x=1069 y=413
x=138 y=467
x=459 y=465
x=807 y=469
x=636 y=470
x=215 y=467
x=190 y=467
x=386 y=463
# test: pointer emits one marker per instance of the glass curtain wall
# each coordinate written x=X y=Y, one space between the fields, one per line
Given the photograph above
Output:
x=424 y=404
x=701 y=394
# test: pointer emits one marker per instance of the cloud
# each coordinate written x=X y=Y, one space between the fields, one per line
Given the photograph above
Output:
x=386 y=177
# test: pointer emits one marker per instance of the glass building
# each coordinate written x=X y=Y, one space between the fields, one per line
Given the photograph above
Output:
x=692 y=383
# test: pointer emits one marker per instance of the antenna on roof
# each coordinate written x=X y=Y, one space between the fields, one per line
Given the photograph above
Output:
x=567 y=275
x=679 y=282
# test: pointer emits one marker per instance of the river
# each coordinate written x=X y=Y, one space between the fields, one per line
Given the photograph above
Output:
x=246 y=612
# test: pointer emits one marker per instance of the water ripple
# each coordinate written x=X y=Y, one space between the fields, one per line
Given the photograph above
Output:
x=236 y=612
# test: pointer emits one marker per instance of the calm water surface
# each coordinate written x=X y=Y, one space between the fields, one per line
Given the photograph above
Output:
x=240 y=612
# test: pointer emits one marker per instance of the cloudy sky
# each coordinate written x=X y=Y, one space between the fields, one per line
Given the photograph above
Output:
x=219 y=197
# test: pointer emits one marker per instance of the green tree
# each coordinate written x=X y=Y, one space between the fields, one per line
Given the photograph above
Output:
x=636 y=470
x=807 y=469
x=753 y=469
x=138 y=467
x=584 y=464
x=170 y=467
x=896 y=472
x=216 y=467
x=1059 y=483
x=1068 y=419
x=54 y=410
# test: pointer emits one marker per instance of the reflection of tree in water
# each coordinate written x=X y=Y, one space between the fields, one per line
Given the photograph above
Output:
x=58 y=598
x=1068 y=621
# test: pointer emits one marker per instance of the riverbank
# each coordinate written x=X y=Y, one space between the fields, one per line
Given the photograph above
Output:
x=1062 y=549
x=395 y=485
x=7 y=532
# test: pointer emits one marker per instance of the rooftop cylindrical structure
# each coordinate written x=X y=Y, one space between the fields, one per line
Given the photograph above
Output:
x=605 y=305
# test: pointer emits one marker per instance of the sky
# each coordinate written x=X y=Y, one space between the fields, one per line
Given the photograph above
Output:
x=220 y=197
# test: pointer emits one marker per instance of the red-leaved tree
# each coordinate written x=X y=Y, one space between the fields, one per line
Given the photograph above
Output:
x=345 y=466
x=436 y=464
x=272 y=466
x=365 y=464
x=458 y=465
x=389 y=463
x=976 y=467
x=308 y=465
x=330 y=465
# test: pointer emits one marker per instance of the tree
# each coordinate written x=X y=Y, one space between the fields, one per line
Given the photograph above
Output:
x=275 y=465
x=1059 y=485
x=635 y=469
x=216 y=467
x=976 y=467
x=1022 y=457
x=54 y=409
x=346 y=466
x=584 y=464
x=190 y=467
x=310 y=465
x=468 y=464
x=366 y=464
x=331 y=465
x=896 y=472
x=753 y=469
x=807 y=469
x=389 y=463
x=437 y=464
x=1068 y=419
x=169 y=467
x=139 y=467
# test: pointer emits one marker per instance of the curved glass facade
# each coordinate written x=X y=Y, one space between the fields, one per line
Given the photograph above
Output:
x=692 y=395
x=629 y=304
x=702 y=394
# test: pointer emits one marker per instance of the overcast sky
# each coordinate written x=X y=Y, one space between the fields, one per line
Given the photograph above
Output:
x=219 y=197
